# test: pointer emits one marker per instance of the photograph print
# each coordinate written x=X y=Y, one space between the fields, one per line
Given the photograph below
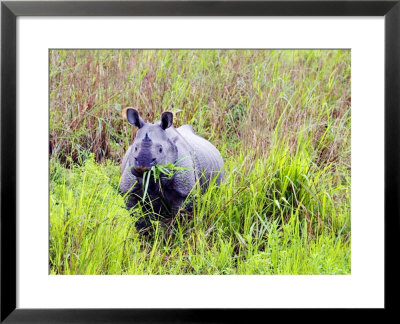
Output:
x=199 y=162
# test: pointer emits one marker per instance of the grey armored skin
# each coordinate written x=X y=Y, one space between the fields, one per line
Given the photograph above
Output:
x=161 y=144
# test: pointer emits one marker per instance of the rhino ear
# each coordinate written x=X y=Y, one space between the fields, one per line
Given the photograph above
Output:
x=133 y=117
x=166 y=120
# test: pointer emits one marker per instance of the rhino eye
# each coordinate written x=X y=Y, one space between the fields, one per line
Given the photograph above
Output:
x=160 y=149
x=135 y=148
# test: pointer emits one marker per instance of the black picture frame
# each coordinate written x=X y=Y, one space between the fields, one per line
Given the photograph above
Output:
x=11 y=10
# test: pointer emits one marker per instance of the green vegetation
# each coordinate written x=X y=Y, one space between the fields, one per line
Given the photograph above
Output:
x=281 y=120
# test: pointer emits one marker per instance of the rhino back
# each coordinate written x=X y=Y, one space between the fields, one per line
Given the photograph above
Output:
x=207 y=157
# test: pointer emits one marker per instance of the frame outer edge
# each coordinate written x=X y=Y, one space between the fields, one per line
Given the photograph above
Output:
x=8 y=162
x=392 y=149
x=8 y=156
x=203 y=8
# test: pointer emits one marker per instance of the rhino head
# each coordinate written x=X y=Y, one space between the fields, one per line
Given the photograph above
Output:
x=151 y=145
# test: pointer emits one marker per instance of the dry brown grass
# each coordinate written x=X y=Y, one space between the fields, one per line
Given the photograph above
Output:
x=241 y=100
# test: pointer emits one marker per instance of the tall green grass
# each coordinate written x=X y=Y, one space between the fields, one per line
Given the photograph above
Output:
x=261 y=223
x=281 y=120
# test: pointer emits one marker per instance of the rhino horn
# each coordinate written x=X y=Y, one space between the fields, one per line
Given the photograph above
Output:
x=147 y=138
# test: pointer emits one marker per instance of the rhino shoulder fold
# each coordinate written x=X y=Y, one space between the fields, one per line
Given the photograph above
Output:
x=127 y=178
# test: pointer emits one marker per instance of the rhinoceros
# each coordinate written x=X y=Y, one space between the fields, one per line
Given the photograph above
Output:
x=197 y=160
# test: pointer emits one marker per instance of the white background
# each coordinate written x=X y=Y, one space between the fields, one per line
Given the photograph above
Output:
x=363 y=288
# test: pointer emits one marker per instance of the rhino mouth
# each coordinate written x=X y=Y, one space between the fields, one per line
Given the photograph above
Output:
x=141 y=170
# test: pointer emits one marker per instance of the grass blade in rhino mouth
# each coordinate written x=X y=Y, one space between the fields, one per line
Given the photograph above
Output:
x=157 y=171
